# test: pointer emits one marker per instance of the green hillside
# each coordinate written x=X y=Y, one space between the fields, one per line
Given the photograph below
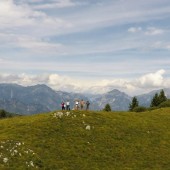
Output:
x=86 y=141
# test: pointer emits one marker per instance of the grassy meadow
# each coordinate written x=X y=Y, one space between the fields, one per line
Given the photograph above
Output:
x=80 y=140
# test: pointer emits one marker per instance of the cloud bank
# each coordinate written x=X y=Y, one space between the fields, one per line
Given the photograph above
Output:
x=64 y=83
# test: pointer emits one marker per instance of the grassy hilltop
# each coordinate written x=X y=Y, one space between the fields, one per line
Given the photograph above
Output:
x=86 y=141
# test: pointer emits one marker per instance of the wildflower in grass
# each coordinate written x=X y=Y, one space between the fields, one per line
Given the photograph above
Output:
x=55 y=115
x=59 y=114
x=88 y=127
x=5 y=160
x=67 y=113
x=30 y=150
x=15 y=151
x=31 y=163
x=2 y=146
x=19 y=144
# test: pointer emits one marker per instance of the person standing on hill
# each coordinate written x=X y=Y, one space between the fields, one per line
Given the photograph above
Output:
x=67 y=105
x=82 y=104
x=62 y=106
x=87 y=105
x=76 y=104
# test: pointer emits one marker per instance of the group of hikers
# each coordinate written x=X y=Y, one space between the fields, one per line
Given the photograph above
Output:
x=78 y=104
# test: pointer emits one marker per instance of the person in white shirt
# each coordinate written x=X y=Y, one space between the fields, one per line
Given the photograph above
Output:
x=67 y=105
x=76 y=105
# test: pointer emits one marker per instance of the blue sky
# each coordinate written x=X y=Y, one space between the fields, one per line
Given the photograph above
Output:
x=86 y=45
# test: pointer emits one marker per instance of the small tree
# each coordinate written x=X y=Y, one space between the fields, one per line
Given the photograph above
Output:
x=162 y=97
x=158 y=99
x=107 y=108
x=155 y=100
x=134 y=104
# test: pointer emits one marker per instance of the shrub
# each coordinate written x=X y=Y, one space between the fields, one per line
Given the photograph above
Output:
x=5 y=114
x=165 y=104
x=140 y=109
x=2 y=113
x=152 y=108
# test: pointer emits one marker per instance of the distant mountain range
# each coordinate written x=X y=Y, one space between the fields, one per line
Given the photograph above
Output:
x=41 y=98
x=118 y=100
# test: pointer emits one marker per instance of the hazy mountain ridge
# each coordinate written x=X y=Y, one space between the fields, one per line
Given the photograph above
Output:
x=41 y=98
x=118 y=100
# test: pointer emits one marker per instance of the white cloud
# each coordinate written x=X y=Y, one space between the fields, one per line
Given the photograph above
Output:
x=39 y=46
x=22 y=19
x=13 y=15
x=134 y=29
x=56 y=4
x=161 y=45
x=23 y=79
x=23 y=27
x=55 y=81
x=152 y=80
x=154 y=31
x=147 y=31
x=26 y=25
x=168 y=46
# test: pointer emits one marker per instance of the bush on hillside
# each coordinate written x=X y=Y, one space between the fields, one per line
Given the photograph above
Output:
x=140 y=109
x=152 y=108
x=165 y=104
x=3 y=113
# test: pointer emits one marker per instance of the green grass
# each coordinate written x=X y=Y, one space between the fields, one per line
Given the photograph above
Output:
x=115 y=141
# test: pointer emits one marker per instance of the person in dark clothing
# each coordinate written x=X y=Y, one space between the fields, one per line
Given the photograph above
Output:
x=87 y=105
x=82 y=104
x=62 y=106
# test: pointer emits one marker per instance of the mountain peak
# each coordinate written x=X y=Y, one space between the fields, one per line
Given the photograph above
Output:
x=115 y=91
x=40 y=85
